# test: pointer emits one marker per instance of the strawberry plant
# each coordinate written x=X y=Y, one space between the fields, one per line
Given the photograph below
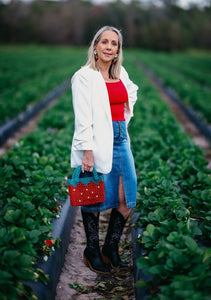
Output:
x=37 y=71
x=173 y=189
x=187 y=74
x=33 y=183
x=174 y=192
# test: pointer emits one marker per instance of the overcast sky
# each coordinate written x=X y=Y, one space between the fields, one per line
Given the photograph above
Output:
x=183 y=3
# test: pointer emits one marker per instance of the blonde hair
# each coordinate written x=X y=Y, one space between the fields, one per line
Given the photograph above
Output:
x=114 y=70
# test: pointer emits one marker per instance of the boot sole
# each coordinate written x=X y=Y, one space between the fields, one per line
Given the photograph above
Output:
x=107 y=261
x=88 y=264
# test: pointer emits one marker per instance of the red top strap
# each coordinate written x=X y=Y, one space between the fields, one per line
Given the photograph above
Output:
x=118 y=96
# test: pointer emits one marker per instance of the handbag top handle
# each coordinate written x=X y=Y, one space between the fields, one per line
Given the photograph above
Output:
x=77 y=172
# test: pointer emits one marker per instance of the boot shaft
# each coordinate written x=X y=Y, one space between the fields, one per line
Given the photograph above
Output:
x=115 y=229
x=91 y=227
x=110 y=251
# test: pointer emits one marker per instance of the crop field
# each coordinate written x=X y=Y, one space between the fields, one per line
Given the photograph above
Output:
x=174 y=184
x=27 y=74
x=188 y=74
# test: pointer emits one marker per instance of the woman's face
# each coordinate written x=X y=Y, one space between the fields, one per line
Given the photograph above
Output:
x=107 y=46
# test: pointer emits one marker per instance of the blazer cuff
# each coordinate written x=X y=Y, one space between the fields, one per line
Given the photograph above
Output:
x=82 y=145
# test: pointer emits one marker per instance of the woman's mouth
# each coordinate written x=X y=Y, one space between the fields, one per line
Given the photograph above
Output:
x=107 y=54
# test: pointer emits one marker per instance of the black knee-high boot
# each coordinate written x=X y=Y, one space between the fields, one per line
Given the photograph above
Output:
x=92 y=255
x=110 y=252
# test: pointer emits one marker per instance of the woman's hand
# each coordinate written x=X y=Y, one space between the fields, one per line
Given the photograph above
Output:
x=87 y=161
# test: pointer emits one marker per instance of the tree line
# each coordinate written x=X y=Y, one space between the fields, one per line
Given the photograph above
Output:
x=165 y=27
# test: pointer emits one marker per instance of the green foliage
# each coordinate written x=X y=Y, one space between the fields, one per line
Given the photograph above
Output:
x=173 y=195
x=32 y=184
x=37 y=71
x=187 y=73
x=173 y=200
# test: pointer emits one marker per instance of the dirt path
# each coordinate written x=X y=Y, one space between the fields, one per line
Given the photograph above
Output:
x=26 y=129
x=79 y=282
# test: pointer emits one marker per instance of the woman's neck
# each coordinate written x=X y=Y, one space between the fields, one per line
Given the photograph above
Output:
x=104 y=70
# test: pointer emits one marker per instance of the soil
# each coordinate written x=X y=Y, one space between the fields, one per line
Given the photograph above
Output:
x=26 y=129
x=78 y=282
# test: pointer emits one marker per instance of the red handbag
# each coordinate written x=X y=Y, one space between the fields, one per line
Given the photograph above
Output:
x=86 y=190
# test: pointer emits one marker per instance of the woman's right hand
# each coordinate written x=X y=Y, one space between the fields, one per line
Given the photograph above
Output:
x=87 y=161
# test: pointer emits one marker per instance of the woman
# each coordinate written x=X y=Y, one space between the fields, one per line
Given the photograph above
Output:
x=103 y=99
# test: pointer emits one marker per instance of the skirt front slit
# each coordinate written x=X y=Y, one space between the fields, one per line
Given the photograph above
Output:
x=122 y=165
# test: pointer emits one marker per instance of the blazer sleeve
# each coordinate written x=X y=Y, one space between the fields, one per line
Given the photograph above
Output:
x=132 y=94
x=81 y=95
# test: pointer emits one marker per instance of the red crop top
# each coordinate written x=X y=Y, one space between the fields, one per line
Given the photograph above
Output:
x=118 y=96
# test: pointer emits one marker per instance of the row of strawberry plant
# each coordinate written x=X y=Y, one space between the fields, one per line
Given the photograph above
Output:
x=32 y=184
x=174 y=189
x=38 y=70
x=29 y=62
x=32 y=181
x=195 y=66
x=190 y=91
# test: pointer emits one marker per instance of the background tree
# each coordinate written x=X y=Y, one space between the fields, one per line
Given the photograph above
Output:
x=160 y=27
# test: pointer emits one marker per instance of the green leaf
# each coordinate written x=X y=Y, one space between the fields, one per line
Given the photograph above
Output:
x=20 y=236
x=173 y=237
x=150 y=229
x=207 y=255
x=12 y=256
x=34 y=235
x=26 y=260
x=42 y=276
x=206 y=195
x=12 y=215
x=30 y=223
x=3 y=232
x=142 y=263
x=194 y=227
x=182 y=213
x=155 y=269
x=140 y=284
x=190 y=243
x=28 y=205
x=5 y=276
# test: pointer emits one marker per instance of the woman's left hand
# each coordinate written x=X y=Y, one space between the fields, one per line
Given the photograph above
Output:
x=87 y=161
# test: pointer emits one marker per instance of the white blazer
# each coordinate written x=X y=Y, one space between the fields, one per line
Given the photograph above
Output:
x=93 y=122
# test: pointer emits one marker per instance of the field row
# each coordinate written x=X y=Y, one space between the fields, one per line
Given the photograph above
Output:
x=188 y=74
x=33 y=183
x=37 y=70
x=174 y=197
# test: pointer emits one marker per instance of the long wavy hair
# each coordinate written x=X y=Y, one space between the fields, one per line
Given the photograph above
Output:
x=114 y=70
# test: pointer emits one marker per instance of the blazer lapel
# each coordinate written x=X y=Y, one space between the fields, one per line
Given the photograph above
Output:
x=102 y=93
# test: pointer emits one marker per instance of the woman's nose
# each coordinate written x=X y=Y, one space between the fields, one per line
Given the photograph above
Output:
x=109 y=46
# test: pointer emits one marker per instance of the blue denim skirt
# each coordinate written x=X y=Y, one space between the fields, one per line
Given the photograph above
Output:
x=122 y=165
